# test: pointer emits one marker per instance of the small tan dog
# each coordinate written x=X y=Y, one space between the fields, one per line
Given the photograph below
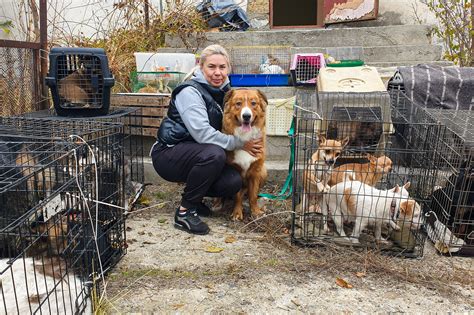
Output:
x=318 y=172
x=368 y=173
x=76 y=87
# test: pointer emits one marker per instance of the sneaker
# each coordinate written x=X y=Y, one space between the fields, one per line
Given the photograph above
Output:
x=190 y=222
x=203 y=210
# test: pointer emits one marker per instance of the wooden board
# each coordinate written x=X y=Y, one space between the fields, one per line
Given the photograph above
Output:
x=153 y=108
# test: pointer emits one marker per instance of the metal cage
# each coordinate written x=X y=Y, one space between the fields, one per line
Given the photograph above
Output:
x=352 y=150
x=450 y=212
x=55 y=239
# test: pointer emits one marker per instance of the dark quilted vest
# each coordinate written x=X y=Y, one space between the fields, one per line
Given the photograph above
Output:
x=172 y=129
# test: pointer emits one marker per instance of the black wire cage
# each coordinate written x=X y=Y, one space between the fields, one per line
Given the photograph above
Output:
x=55 y=239
x=450 y=210
x=364 y=171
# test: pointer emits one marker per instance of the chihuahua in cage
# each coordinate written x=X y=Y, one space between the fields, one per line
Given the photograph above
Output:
x=318 y=172
x=369 y=173
x=365 y=205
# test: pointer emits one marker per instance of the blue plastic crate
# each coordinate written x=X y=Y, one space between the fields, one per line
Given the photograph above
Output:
x=237 y=80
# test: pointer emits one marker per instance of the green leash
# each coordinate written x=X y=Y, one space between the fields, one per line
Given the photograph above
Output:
x=287 y=189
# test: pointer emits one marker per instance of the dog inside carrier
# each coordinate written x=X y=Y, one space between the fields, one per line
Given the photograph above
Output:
x=354 y=181
x=80 y=81
x=56 y=239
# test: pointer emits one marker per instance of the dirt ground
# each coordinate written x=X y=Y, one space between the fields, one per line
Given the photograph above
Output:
x=252 y=268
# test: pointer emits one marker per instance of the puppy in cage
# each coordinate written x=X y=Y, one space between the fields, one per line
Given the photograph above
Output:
x=354 y=201
x=369 y=173
x=76 y=88
x=318 y=170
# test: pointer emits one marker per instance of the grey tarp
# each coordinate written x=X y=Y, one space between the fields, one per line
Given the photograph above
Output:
x=439 y=87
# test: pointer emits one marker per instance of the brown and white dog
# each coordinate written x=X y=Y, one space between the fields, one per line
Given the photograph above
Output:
x=369 y=173
x=244 y=117
x=365 y=205
x=318 y=172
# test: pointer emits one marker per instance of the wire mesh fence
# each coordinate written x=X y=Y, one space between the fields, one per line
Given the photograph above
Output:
x=18 y=81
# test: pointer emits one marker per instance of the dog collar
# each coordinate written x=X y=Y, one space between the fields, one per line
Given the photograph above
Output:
x=394 y=214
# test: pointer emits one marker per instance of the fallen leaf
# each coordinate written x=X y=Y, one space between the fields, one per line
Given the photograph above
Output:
x=144 y=201
x=141 y=233
x=230 y=239
x=148 y=243
x=343 y=283
x=176 y=306
x=213 y=249
x=360 y=274
x=296 y=302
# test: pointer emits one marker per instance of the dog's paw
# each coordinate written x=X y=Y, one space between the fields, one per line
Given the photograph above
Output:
x=320 y=187
x=237 y=215
x=257 y=212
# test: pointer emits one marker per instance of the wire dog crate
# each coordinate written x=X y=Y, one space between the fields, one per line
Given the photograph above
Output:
x=346 y=182
x=260 y=65
x=80 y=81
x=132 y=120
x=54 y=237
x=450 y=212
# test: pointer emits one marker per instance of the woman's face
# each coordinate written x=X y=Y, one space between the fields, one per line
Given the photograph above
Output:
x=215 y=70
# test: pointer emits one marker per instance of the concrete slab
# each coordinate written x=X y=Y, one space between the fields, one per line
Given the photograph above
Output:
x=356 y=36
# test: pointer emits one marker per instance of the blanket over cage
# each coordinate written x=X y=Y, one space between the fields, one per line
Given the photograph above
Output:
x=439 y=87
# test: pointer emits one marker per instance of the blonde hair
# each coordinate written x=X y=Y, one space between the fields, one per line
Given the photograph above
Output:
x=210 y=50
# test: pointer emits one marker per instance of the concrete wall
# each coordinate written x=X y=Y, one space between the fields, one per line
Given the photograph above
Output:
x=391 y=12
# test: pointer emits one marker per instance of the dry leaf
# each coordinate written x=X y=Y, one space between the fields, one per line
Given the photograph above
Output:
x=162 y=220
x=176 y=306
x=360 y=274
x=213 y=249
x=343 y=283
x=144 y=201
x=230 y=239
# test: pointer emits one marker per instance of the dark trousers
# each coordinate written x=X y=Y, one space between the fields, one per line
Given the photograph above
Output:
x=201 y=166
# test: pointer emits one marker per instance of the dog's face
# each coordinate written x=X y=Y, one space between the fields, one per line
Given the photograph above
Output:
x=329 y=150
x=410 y=213
x=382 y=164
x=245 y=108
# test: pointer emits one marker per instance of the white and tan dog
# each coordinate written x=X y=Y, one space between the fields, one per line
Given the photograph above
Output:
x=318 y=172
x=365 y=205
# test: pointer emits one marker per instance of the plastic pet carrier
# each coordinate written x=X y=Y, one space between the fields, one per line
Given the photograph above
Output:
x=305 y=68
x=80 y=81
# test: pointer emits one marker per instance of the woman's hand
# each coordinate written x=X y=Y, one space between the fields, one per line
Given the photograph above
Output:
x=254 y=147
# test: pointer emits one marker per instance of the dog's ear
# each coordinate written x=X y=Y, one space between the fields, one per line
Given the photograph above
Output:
x=263 y=100
x=345 y=141
x=321 y=139
x=407 y=185
x=396 y=189
x=228 y=96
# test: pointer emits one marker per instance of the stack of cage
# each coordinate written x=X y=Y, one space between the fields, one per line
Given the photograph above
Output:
x=305 y=68
x=326 y=170
x=80 y=81
x=55 y=240
x=450 y=212
x=132 y=120
x=259 y=65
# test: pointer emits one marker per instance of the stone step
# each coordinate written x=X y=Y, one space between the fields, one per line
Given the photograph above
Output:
x=372 y=54
x=360 y=36
x=379 y=56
